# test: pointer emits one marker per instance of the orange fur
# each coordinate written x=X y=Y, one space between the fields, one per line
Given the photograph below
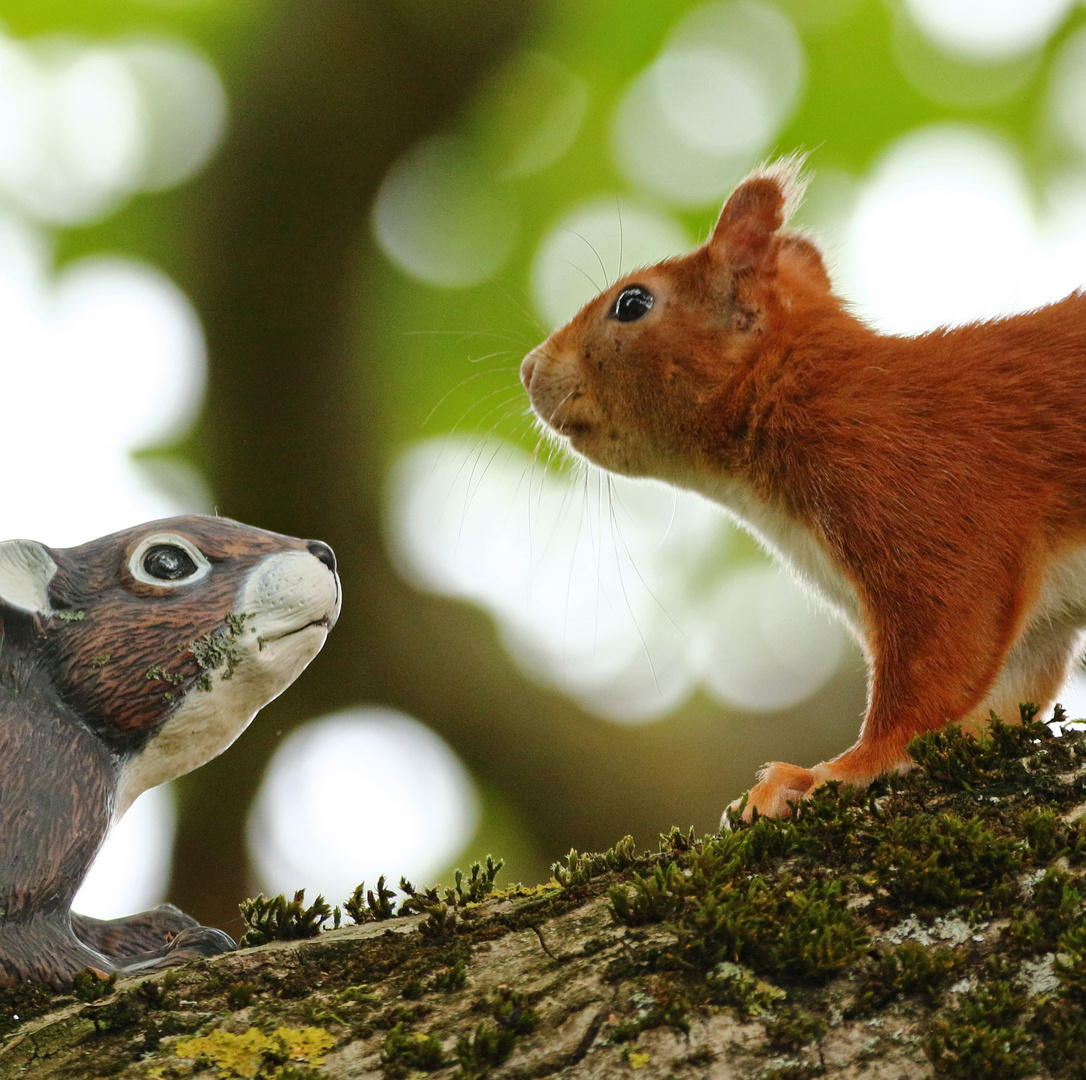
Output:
x=931 y=489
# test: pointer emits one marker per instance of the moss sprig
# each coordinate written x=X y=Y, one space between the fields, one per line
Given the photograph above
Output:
x=278 y=919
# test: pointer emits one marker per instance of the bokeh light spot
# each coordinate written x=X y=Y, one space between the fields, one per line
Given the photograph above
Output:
x=943 y=233
x=531 y=110
x=988 y=29
x=616 y=591
x=441 y=218
x=594 y=245
x=184 y=108
x=697 y=118
x=83 y=127
x=957 y=80
x=1067 y=92
x=357 y=794
x=132 y=869
x=770 y=647
x=111 y=360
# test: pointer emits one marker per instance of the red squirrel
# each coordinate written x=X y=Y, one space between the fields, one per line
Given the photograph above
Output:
x=930 y=489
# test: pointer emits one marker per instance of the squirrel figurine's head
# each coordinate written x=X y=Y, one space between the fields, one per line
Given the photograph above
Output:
x=164 y=639
x=625 y=380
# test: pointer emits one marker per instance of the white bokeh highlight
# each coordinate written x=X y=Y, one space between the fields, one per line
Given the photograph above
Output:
x=130 y=872
x=357 y=794
x=105 y=356
x=441 y=217
x=768 y=648
x=711 y=104
x=946 y=230
x=533 y=108
x=1067 y=92
x=617 y=592
x=987 y=30
x=83 y=127
x=592 y=246
x=110 y=360
x=183 y=105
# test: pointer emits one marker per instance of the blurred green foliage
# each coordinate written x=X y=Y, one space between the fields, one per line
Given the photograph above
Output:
x=314 y=392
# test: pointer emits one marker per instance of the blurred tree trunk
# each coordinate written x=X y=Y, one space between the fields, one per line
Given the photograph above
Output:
x=335 y=91
x=293 y=440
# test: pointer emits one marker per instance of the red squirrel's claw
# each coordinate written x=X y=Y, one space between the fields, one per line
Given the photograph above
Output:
x=778 y=784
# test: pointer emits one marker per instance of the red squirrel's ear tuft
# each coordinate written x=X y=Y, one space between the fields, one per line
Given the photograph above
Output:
x=757 y=209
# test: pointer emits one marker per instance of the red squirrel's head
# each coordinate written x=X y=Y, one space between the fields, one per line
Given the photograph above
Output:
x=646 y=378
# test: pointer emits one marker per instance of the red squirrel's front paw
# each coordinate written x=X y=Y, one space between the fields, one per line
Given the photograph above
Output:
x=778 y=784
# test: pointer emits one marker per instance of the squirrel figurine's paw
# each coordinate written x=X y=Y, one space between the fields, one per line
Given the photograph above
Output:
x=778 y=784
x=196 y=942
x=193 y=943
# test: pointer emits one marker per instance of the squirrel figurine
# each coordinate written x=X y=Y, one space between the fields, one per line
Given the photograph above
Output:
x=124 y=663
x=930 y=489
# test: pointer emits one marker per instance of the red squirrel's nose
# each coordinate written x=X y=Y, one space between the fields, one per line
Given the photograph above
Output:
x=527 y=366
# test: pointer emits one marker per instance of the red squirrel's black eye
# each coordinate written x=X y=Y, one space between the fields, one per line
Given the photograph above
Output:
x=632 y=303
x=168 y=563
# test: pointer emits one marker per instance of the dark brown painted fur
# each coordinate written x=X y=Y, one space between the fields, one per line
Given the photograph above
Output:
x=76 y=703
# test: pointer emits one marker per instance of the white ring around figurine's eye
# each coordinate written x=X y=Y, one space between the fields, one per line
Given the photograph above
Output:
x=167 y=560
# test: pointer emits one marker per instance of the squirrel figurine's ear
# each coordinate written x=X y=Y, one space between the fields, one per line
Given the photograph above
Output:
x=745 y=232
x=26 y=570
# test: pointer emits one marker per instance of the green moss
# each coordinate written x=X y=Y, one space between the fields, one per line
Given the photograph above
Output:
x=480 y=884
x=89 y=986
x=239 y=995
x=71 y=615
x=575 y=869
x=23 y=1002
x=662 y=1003
x=736 y=985
x=487 y=1047
x=910 y=969
x=785 y=927
x=985 y=1038
x=157 y=673
x=405 y=1052
x=1055 y=904
x=513 y=1012
x=363 y=905
x=454 y=978
x=279 y=919
x=217 y=650
x=793 y=1028
x=942 y=861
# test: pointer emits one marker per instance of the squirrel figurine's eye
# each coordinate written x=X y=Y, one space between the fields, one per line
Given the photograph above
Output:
x=167 y=559
x=168 y=563
x=632 y=303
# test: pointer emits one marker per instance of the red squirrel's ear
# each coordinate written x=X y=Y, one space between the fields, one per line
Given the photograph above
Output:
x=748 y=225
x=801 y=256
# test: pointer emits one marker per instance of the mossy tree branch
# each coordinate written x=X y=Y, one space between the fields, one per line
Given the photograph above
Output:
x=935 y=924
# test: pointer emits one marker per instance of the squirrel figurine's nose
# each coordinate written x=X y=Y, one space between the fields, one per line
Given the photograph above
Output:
x=322 y=551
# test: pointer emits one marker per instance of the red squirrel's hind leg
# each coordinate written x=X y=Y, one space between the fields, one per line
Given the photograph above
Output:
x=1036 y=668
